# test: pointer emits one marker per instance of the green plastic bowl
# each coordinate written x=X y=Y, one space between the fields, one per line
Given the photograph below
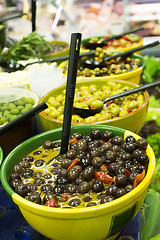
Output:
x=1 y=156
x=104 y=221
x=132 y=121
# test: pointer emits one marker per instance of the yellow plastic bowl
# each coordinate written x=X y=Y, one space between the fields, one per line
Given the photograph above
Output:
x=133 y=76
x=100 y=222
x=133 y=121
x=123 y=49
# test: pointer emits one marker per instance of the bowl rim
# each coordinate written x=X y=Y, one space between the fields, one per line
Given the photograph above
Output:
x=100 y=209
x=97 y=122
x=1 y=156
x=56 y=42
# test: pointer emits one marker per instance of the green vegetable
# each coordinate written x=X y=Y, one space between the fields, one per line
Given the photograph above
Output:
x=32 y=46
x=152 y=69
x=150 y=215
x=153 y=102
x=157 y=237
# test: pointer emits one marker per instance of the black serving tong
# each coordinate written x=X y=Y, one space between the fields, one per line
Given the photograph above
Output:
x=6 y=16
x=13 y=66
x=90 y=112
x=33 y=9
x=90 y=45
x=70 y=90
x=22 y=118
x=91 y=63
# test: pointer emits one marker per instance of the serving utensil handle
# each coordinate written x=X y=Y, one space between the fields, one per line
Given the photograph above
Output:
x=70 y=89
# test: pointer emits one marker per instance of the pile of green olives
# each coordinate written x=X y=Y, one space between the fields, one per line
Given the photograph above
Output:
x=11 y=110
x=114 y=67
x=90 y=97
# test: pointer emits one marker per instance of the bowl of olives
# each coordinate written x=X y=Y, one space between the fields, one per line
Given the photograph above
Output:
x=14 y=102
x=95 y=189
x=128 y=69
x=127 y=112
x=57 y=48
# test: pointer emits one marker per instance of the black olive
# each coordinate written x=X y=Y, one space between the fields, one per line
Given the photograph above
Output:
x=62 y=180
x=126 y=156
x=120 y=170
x=34 y=197
x=106 y=135
x=73 y=146
x=121 y=180
x=81 y=154
x=74 y=202
x=129 y=147
x=137 y=153
x=39 y=181
x=97 y=162
x=21 y=189
x=110 y=190
x=65 y=163
x=115 y=148
x=87 y=199
x=84 y=187
x=127 y=164
x=48 y=145
x=37 y=175
x=56 y=165
x=142 y=143
x=71 y=154
x=24 y=164
x=17 y=168
x=47 y=176
x=39 y=163
x=133 y=168
x=77 y=136
x=14 y=175
x=58 y=189
x=112 y=167
x=62 y=173
x=47 y=197
x=31 y=187
x=131 y=177
x=79 y=180
x=37 y=152
x=88 y=173
x=27 y=159
x=106 y=199
x=87 y=139
x=55 y=171
x=82 y=145
x=46 y=188
x=73 y=173
x=97 y=186
x=94 y=152
x=110 y=157
x=120 y=192
x=117 y=140
x=60 y=158
x=91 y=204
x=85 y=162
x=107 y=146
x=56 y=144
x=71 y=188
x=143 y=158
x=78 y=167
x=94 y=144
x=130 y=138
x=128 y=188
x=27 y=173
x=15 y=182
x=95 y=134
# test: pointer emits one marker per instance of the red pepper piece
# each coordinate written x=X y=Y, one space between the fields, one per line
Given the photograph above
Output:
x=103 y=177
x=75 y=161
x=52 y=203
x=138 y=178
x=104 y=167
x=126 y=172
x=85 y=98
x=73 y=140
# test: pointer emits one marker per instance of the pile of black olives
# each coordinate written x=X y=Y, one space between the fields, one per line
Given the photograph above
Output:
x=96 y=169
